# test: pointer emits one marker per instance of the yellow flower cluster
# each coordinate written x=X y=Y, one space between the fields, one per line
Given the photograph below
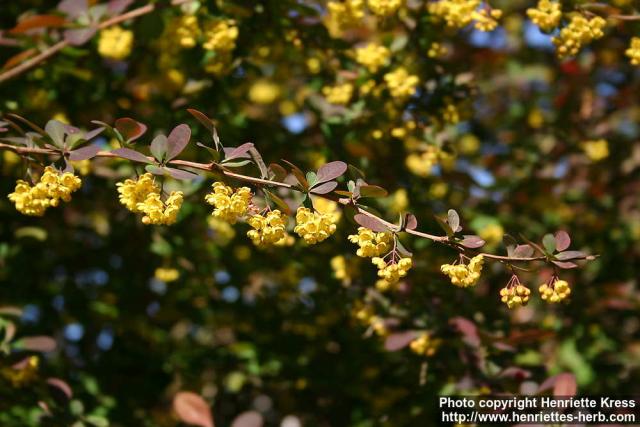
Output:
x=424 y=345
x=436 y=50
x=48 y=191
x=577 y=33
x=373 y=56
x=313 y=226
x=492 y=233
x=485 y=19
x=339 y=94
x=515 y=295
x=158 y=212
x=385 y=7
x=371 y=244
x=229 y=204
x=450 y=114
x=401 y=84
x=166 y=274
x=456 y=13
x=464 y=275
x=422 y=163
x=184 y=30
x=221 y=36
x=346 y=13
x=115 y=43
x=25 y=374
x=264 y=92
x=268 y=229
x=557 y=291
x=634 y=51
x=133 y=192
x=546 y=15
x=143 y=196
x=596 y=150
x=390 y=273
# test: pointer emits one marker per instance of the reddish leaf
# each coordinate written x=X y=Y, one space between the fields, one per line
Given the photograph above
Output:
x=127 y=153
x=279 y=172
x=84 y=153
x=398 y=341
x=370 y=223
x=567 y=265
x=248 y=419
x=411 y=222
x=192 y=409
x=325 y=188
x=468 y=329
x=523 y=251
x=80 y=36
x=117 y=6
x=178 y=140
x=41 y=344
x=181 y=174
x=472 y=241
x=563 y=385
x=38 y=21
x=331 y=170
x=562 y=240
x=18 y=58
x=202 y=118
x=516 y=373
x=130 y=129
x=235 y=152
x=73 y=8
x=61 y=385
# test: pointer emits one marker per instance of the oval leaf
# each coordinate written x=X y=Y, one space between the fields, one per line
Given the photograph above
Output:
x=567 y=255
x=472 y=242
x=522 y=251
x=58 y=384
x=181 y=174
x=325 y=188
x=130 y=129
x=565 y=385
x=562 y=240
x=84 y=153
x=370 y=223
x=38 y=21
x=248 y=419
x=127 y=153
x=398 y=341
x=178 y=140
x=549 y=243
x=41 y=344
x=159 y=147
x=79 y=36
x=410 y=222
x=372 y=191
x=453 y=219
x=331 y=170
x=192 y=409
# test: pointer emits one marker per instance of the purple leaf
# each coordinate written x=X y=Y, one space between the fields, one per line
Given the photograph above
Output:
x=84 y=153
x=202 y=118
x=93 y=133
x=370 y=223
x=565 y=264
x=80 y=36
x=181 y=174
x=130 y=129
x=563 y=385
x=279 y=172
x=399 y=340
x=472 y=242
x=523 y=251
x=178 y=140
x=562 y=240
x=238 y=151
x=73 y=8
x=468 y=329
x=567 y=255
x=117 y=6
x=325 y=188
x=41 y=344
x=248 y=419
x=331 y=170
x=58 y=384
x=192 y=409
x=411 y=222
x=127 y=153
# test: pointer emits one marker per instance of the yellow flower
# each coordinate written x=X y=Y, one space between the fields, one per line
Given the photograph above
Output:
x=371 y=244
x=456 y=13
x=24 y=374
x=373 y=56
x=345 y=13
x=546 y=15
x=48 y=191
x=596 y=150
x=492 y=233
x=634 y=50
x=166 y=274
x=220 y=36
x=400 y=83
x=486 y=20
x=436 y=50
x=115 y=42
x=514 y=296
x=223 y=232
x=184 y=30
x=391 y=272
x=555 y=291
x=385 y=7
x=421 y=164
x=158 y=212
x=268 y=229
x=313 y=226
x=577 y=33
x=133 y=192
x=229 y=204
x=339 y=94
x=264 y=92
x=424 y=345
x=464 y=275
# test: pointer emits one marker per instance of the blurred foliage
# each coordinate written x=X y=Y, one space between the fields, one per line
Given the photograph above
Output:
x=497 y=128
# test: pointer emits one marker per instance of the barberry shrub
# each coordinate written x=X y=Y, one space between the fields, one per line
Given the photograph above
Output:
x=420 y=208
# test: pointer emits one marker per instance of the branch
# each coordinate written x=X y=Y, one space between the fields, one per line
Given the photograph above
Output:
x=209 y=167
x=53 y=49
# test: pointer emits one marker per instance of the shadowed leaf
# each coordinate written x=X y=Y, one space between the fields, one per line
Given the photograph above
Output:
x=127 y=153
x=159 y=147
x=325 y=188
x=370 y=223
x=372 y=191
x=59 y=384
x=38 y=21
x=192 y=409
x=130 y=129
x=399 y=340
x=178 y=140
x=41 y=344
x=411 y=222
x=84 y=153
x=563 y=241
x=453 y=219
x=248 y=419
x=331 y=171
x=472 y=242
x=181 y=174
x=549 y=243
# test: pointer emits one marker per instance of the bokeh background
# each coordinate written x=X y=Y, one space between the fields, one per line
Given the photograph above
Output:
x=499 y=129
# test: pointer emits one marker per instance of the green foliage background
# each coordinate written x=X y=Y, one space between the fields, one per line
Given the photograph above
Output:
x=275 y=332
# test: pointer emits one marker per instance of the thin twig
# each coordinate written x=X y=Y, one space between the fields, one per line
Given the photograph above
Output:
x=55 y=48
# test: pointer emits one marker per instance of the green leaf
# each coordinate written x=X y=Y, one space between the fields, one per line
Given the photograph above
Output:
x=159 y=147
x=549 y=243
